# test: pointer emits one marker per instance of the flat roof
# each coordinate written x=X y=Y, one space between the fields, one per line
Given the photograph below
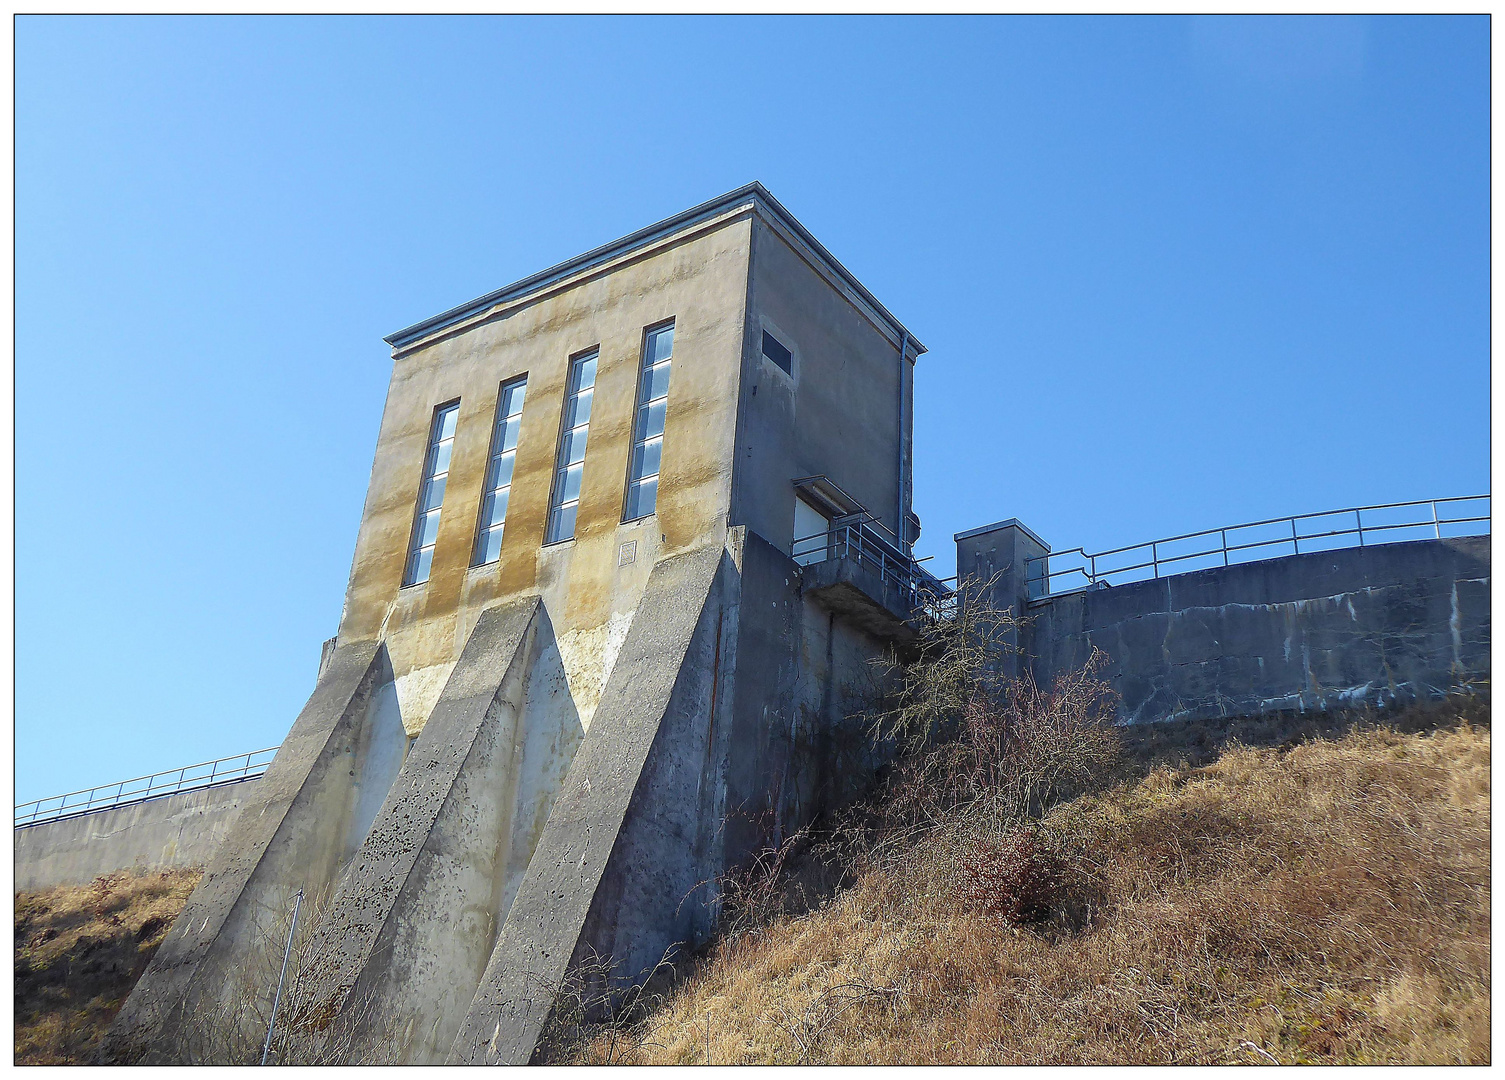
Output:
x=1010 y=523
x=754 y=195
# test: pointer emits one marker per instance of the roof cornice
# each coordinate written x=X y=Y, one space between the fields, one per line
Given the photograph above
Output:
x=753 y=196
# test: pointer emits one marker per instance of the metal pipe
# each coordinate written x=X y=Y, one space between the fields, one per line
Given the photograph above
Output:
x=901 y=529
x=277 y=999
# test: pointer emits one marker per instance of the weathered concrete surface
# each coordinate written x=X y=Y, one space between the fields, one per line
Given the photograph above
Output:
x=843 y=413
x=292 y=834
x=1352 y=626
x=697 y=278
x=797 y=745
x=169 y=833
x=626 y=794
x=861 y=598
x=424 y=892
x=1001 y=554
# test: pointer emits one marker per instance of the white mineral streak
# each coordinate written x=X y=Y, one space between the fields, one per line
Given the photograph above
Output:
x=588 y=657
x=418 y=692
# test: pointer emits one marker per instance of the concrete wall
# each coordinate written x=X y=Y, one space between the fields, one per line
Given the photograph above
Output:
x=838 y=415
x=699 y=280
x=1371 y=625
x=161 y=834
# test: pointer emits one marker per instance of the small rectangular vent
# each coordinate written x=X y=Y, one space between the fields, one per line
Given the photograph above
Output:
x=777 y=353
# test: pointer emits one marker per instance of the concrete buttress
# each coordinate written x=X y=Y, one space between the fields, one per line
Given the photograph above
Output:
x=410 y=926
x=626 y=843
x=293 y=833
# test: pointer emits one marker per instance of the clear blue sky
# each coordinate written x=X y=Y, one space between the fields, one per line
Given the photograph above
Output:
x=1173 y=274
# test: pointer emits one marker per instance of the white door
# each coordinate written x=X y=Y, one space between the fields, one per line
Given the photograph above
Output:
x=810 y=528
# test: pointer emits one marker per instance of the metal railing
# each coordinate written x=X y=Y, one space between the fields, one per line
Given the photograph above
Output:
x=205 y=774
x=858 y=541
x=1301 y=533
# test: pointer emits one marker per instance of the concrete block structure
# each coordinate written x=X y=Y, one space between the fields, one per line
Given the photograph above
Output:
x=1307 y=632
x=635 y=527
x=180 y=831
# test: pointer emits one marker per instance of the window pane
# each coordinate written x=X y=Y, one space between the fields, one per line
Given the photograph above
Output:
x=579 y=411
x=491 y=545
x=651 y=420
x=572 y=451
x=656 y=382
x=584 y=375
x=642 y=497
x=569 y=484
x=501 y=471
x=562 y=523
x=428 y=529
x=510 y=428
x=645 y=458
x=512 y=399
x=496 y=508
x=447 y=422
x=441 y=458
x=433 y=494
x=777 y=353
x=419 y=568
x=660 y=344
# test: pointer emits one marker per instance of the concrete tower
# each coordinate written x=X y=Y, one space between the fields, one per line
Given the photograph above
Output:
x=635 y=527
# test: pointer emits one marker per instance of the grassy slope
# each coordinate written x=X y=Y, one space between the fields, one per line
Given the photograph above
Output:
x=79 y=950
x=1323 y=903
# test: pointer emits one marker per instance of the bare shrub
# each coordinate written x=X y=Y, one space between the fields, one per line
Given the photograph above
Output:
x=979 y=755
x=593 y=1017
x=981 y=752
x=952 y=663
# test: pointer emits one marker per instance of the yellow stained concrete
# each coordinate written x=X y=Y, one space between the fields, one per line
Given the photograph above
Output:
x=698 y=279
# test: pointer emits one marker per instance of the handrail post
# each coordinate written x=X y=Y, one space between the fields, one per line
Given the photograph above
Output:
x=1155 y=557
x=1295 y=540
x=1358 y=520
x=1436 y=525
x=1224 y=533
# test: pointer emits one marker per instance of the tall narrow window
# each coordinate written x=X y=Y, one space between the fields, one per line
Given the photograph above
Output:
x=509 y=416
x=648 y=440
x=431 y=494
x=577 y=415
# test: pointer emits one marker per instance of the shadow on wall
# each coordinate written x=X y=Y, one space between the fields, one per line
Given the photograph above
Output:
x=382 y=744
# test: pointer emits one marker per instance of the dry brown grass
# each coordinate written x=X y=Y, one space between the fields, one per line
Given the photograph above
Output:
x=79 y=951
x=1327 y=902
